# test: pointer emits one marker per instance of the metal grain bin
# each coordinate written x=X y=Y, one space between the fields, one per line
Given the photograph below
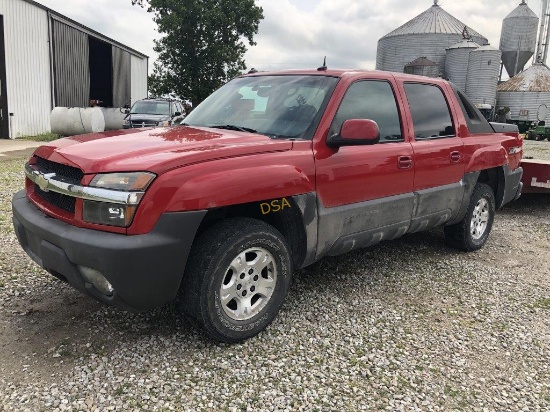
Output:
x=525 y=93
x=456 y=62
x=423 y=67
x=483 y=74
x=518 y=38
x=428 y=34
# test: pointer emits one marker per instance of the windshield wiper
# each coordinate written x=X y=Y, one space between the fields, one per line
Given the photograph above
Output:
x=233 y=127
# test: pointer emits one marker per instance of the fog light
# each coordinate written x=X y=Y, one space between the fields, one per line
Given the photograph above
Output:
x=97 y=279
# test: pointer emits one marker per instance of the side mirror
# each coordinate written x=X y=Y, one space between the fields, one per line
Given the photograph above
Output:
x=177 y=114
x=127 y=111
x=355 y=132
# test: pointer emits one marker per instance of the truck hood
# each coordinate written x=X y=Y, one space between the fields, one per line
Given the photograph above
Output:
x=155 y=150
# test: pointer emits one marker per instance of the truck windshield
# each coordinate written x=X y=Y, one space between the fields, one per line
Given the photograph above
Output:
x=278 y=106
x=144 y=107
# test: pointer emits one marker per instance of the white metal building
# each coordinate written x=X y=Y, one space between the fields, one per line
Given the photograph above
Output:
x=49 y=60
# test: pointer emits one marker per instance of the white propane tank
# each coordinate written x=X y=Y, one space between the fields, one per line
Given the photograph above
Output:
x=113 y=118
x=69 y=121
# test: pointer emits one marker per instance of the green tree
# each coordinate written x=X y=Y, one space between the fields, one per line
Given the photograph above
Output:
x=202 y=44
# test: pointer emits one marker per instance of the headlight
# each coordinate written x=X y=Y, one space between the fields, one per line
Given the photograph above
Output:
x=126 y=122
x=133 y=181
x=164 y=123
x=116 y=214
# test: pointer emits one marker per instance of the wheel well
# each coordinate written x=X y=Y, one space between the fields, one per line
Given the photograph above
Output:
x=494 y=178
x=287 y=220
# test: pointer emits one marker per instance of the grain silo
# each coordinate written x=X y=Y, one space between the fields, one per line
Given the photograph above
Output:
x=428 y=35
x=525 y=93
x=456 y=62
x=483 y=74
x=518 y=38
x=423 y=67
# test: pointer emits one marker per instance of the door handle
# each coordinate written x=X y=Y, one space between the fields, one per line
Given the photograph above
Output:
x=404 y=162
x=455 y=157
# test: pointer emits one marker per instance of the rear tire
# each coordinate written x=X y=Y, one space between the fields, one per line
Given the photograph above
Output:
x=472 y=232
x=236 y=279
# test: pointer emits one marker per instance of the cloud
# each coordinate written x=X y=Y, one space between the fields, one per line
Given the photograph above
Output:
x=347 y=31
x=299 y=33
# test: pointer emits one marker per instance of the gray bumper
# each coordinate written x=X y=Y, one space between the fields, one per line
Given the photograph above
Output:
x=144 y=270
x=512 y=185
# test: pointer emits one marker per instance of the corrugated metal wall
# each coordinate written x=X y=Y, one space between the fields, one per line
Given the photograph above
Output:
x=30 y=67
x=523 y=105
x=395 y=52
x=422 y=70
x=27 y=67
x=483 y=73
x=70 y=63
x=139 y=78
x=456 y=63
x=121 y=77
x=518 y=38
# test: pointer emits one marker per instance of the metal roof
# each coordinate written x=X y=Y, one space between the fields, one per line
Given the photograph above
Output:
x=434 y=20
x=422 y=61
x=64 y=19
x=464 y=44
x=534 y=79
x=522 y=10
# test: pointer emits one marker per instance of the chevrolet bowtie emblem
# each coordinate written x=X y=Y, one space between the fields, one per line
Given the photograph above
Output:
x=42 y=180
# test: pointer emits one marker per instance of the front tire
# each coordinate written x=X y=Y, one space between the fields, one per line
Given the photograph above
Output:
x=472 y=232
x=236 y=280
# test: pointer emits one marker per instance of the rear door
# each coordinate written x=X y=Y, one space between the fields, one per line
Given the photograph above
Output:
x=439 y=156
x=365 y=192
x=4 y=115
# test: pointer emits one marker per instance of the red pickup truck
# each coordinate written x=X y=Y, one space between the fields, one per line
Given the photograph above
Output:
x=269 y=174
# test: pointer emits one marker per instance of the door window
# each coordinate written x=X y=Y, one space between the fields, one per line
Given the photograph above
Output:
x=430 y=112
x=374 y=100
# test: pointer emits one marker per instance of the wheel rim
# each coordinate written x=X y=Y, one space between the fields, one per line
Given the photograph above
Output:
x=480 y=219
x=248 y=284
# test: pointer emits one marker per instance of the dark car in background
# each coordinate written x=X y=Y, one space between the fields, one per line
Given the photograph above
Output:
x=154 y=112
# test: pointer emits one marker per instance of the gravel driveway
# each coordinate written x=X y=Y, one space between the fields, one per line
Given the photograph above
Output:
x=406 y=325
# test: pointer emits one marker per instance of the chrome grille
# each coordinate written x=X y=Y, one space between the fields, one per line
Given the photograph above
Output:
x=65 y=173
x=68 y=173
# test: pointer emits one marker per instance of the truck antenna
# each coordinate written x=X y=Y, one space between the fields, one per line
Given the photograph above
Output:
x=324 y=66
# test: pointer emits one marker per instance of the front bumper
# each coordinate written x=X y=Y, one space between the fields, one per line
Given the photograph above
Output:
x=144 y=270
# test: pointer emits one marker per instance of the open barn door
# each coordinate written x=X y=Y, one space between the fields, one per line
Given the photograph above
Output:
x=4 y=115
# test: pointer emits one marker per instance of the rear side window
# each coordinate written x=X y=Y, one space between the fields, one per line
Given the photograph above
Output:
x=374 y=100
x=475 y=120
x=430 y=112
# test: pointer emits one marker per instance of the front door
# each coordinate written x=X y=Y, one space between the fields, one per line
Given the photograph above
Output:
x=4 y=115
x=365 y=192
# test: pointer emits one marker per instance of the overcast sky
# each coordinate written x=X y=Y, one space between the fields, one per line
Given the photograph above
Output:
x=298 y=33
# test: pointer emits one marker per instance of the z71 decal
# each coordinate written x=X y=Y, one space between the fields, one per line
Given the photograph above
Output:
x=274 y=206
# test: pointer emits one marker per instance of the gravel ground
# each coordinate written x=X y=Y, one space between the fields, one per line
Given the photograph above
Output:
x=536 y=150
x=408 y=325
